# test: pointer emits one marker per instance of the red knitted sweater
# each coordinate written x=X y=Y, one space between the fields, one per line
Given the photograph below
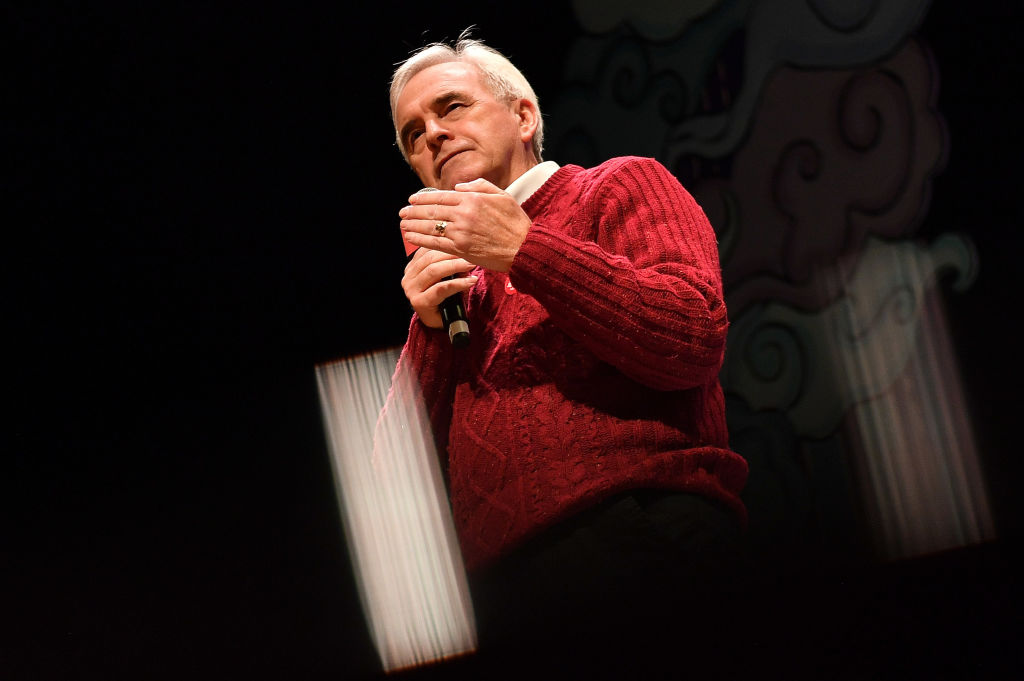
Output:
x=596 y=372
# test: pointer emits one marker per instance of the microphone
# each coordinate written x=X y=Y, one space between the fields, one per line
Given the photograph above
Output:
x=453 y=312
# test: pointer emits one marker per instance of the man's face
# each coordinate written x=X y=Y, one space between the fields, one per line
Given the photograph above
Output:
x=453 y=130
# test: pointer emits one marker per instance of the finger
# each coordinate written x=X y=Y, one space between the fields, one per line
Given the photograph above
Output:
x=428 y=226
x=432 y=242
x=438 y=198
x=478 y=185
x=431 y=213
x=436 y=294
x=426 y=256
x=424 y=212
x=430 y=271
x=426 y=302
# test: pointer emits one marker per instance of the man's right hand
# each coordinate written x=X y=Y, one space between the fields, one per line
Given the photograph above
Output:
x=425 y=285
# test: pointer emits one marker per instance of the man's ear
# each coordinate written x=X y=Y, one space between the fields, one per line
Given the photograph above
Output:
x=529 y=119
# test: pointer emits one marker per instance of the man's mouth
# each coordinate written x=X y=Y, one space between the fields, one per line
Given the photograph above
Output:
x=445 y=160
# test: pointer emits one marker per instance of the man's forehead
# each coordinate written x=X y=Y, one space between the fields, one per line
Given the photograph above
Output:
x=438 y=81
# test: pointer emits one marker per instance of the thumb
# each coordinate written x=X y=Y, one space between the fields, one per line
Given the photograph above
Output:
x=478 y=185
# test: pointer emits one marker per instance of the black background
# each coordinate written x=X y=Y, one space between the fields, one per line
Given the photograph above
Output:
x=202 y=206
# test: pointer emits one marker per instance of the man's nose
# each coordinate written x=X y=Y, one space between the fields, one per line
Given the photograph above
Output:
x=436 y=133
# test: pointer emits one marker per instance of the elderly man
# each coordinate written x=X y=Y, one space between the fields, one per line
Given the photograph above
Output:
x=583 y=426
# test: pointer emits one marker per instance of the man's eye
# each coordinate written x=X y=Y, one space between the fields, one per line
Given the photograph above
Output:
x=453 y=106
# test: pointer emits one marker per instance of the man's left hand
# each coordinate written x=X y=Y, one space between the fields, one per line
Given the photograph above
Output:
x=482 y=224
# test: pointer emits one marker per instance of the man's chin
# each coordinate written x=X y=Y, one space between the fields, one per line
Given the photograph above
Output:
x=448 y=181
x=455 y=171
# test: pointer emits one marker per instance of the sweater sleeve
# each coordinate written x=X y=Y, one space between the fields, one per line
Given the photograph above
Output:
x=643 y=290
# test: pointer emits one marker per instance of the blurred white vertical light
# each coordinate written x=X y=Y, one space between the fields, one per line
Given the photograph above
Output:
x=878 y=364
x=395 y=511
x=921 y=476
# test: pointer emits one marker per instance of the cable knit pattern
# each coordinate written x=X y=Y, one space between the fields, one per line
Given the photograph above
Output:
x=598 y=375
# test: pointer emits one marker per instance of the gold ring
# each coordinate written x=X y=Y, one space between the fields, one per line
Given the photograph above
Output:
x=440 y=227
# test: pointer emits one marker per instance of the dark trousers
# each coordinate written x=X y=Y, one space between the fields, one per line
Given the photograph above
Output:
x=636 y=581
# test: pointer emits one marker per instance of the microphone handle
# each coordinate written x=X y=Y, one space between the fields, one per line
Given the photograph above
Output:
x=453 y=314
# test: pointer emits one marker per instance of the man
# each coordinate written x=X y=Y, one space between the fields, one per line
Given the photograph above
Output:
x=583 y=427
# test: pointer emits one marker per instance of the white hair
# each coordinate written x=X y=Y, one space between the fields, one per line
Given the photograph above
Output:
x=501 y=77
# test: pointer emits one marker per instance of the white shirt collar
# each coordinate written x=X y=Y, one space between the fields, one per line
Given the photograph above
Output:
x=530 y=181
